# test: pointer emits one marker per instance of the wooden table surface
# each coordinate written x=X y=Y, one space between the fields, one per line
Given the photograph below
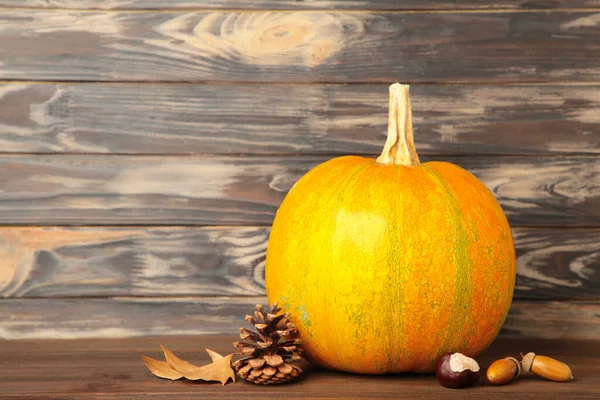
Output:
x=113 y=368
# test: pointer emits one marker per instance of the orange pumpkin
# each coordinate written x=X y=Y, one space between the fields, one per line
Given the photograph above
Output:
x=386 y=264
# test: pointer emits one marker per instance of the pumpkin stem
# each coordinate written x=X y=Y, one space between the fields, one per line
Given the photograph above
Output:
x=400 y=144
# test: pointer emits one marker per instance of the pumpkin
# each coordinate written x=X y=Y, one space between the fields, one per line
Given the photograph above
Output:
x=387 y=264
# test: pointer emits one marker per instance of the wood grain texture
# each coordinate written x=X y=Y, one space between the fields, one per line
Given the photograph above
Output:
x=106 y=190
x=557 y=263
x=300 y=46
x=129 y=316
x=112 y=369
x=552 y=264
x=293 y=119
x=301 y=4
x=553 y=320
x=80 y=262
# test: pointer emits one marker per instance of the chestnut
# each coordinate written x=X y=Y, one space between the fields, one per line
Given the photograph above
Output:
x=455 y=370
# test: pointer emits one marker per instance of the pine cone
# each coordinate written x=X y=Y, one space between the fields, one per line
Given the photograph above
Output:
x=270 y=352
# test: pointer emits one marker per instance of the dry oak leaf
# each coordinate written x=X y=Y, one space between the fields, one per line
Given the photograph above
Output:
x=175 y=368
x=161 y=369
x=219 y=370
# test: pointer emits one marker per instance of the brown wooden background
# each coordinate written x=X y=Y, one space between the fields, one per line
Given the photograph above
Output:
x=145 y=146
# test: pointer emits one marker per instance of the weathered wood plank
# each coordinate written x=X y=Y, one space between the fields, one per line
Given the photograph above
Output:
x=300 y=4
x=128 y=317
x=553 y=320
x=103 y=369
x=225 y=261
x=80 y=262
x=89 y=190
x=307 y=119
x=300 y=46
x=557 y=263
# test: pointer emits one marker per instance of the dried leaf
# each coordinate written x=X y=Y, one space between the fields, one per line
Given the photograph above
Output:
x=214 y=356
x=176 y=362
x=219 y=370
x=161 y=369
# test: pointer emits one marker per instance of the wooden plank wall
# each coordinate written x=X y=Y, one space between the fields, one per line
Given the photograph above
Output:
x=146 y=145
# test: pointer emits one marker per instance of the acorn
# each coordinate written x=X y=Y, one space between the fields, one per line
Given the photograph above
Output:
x=503 y=371
x=546 y=367
x=455 y=370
